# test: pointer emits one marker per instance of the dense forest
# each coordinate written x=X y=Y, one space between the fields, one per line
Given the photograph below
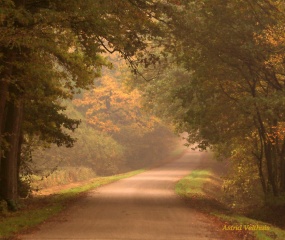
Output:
x=212 y=68
x=114 y=134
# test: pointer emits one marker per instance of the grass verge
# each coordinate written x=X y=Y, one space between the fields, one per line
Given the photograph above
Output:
x=192 y=185
x=39 y=209
x=200 y=189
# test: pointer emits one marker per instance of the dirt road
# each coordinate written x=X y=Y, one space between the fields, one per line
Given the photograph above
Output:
x=143 y=207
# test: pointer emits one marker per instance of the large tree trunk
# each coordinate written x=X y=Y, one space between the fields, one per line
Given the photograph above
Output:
x=268 y=153
x=3 y=99
x=9 y=169
x=261 y=177
x=270 y=170
x=259 y=157
x=282 y=169
x=282 y=166
x=282 y=177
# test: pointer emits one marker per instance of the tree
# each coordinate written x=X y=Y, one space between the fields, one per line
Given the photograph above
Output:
x=109 y=108
x=232 y=88
x=114 y=108
x=47 y=50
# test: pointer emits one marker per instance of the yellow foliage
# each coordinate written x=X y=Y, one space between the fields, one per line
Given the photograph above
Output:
x=110 y=106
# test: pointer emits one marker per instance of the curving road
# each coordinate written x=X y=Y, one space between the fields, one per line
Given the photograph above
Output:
x=143 y=207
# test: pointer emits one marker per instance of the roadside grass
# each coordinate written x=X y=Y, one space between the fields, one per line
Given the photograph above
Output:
x=24 y=219
x=62 y=176
x=192 y=185
x=38 y=209
x=200 y=188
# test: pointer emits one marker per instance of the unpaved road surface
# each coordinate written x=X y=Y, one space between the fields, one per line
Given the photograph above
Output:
x=143 y=207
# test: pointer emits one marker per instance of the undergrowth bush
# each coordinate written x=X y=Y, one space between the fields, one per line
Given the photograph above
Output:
x=63 y=176
x=242 y=184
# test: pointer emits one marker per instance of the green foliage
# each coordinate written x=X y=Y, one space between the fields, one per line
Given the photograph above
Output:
x=196 y=187
x=227 y=85
x=104 y=153
x=92 y=149
x=50 y=49
x=192 y=185
x=242 y=183
x=114 y=136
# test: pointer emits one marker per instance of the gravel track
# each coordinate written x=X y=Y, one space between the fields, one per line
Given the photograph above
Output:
x=143 y=207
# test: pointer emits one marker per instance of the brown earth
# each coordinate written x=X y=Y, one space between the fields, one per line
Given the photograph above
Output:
x=143 y=207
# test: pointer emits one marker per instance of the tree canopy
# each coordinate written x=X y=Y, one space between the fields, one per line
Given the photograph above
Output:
x=224 y=84
x=48 y=50
x=228 y=86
